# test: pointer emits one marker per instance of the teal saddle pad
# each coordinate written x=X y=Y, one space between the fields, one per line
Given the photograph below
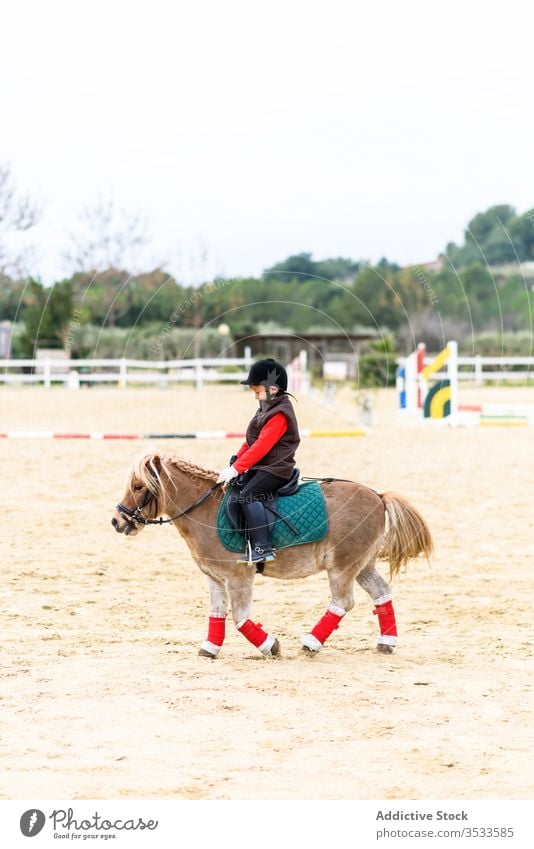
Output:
x=306 y=510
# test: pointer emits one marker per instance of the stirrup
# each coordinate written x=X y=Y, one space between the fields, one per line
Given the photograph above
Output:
x=257 y=556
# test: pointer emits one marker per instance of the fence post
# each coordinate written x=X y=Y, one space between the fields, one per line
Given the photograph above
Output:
x=478 y=369
x=46 y=373
x=123 y=373
x=73 y=381
x=199 y=376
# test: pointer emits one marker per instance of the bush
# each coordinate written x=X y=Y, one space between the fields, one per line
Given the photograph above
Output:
x=376 y=369
x=18 y=342
x=501 y=345
x=153 y=342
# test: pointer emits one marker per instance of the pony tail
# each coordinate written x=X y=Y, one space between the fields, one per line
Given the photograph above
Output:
x=408 y=534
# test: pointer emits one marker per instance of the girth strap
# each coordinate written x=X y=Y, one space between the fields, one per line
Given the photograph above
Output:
x=283 y=518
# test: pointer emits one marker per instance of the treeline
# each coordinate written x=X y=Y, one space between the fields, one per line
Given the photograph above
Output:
x=460 y=296
x=495 y=237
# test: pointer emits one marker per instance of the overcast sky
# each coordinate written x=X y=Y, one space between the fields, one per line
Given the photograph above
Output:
x=265 y=129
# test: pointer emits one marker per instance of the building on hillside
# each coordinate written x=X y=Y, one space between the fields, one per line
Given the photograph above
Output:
x=434 y=265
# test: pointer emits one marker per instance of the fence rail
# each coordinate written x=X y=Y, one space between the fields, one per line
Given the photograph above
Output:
x=477 y=369
x=124 y=371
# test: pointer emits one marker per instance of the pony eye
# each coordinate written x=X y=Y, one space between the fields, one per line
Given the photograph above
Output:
x=138 y=487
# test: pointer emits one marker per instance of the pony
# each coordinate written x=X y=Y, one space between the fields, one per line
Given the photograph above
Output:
x=159 y=485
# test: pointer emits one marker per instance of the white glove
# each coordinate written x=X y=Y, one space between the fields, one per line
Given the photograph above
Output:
x=227 y=475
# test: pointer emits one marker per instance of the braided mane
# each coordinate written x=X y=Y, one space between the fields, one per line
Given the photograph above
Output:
x=190 y=468
x=148 y=471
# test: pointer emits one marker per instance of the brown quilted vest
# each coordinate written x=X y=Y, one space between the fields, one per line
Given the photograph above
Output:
x=280 y=460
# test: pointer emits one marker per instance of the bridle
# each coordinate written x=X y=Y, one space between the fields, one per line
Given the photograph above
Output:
x=134 y=517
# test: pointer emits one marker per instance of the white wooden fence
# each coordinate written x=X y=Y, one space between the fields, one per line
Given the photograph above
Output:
x=479 y=369
x=124 y=372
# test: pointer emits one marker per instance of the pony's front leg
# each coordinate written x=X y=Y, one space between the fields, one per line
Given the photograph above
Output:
x=341 y=587
x=240 y=591
x=217 y=621
x=373 y=583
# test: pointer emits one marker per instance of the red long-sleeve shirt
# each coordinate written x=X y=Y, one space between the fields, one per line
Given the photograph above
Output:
x=271 y=432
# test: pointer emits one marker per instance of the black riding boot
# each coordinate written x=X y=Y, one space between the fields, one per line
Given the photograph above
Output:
x=258 y=531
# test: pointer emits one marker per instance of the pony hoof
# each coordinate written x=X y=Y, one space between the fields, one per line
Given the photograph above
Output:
x=204 y=653
x=275 y=649
x=310 y=644
x=384 y=649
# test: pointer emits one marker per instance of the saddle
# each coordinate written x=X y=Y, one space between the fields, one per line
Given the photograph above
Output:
x=296 y=515
x=236 y=516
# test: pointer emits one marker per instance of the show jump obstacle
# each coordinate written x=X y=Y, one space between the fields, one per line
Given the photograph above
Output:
x=417 y=396
x=428 y=388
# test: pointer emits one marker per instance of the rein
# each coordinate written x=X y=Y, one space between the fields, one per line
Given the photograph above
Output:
x=328 y=480
x=135 y=517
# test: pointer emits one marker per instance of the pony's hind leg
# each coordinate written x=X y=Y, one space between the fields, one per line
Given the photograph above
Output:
x=240 y=592
x=373 y=583
x=341 y=587
x=217 y=621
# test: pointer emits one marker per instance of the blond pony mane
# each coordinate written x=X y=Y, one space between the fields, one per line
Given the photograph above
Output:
x=147 y=470
x=194 y=470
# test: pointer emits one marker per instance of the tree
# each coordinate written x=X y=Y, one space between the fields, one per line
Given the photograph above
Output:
x=462 y=255
x=302 y=267
x=499 y=249
x=479 y=287
x=374 y=302
x=11 y=303
x=495 y=237
x=109 y=238
x=47 y=315
x=297 y=265
x=516 y=304
x=385 y=265
x=339 y=268
x=480 y=227
x=18 y=214
x=521 y=232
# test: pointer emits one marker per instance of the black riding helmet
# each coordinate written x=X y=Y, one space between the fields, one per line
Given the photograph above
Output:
x=267 y=373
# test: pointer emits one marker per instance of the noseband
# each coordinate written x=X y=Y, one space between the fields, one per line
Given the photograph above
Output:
x=134 y=517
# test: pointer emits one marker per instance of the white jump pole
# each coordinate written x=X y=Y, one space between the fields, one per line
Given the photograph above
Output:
x=410 y=371
x=452 y=373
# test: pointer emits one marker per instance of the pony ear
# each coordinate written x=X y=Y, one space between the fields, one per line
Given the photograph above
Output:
x=154 y=462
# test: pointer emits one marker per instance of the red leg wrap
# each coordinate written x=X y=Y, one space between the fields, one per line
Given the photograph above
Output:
x=216 y=630
x=326 y=625
x=386 y=619
x=254 y=633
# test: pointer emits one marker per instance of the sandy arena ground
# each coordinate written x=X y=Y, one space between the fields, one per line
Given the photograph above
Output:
x=103 y=694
